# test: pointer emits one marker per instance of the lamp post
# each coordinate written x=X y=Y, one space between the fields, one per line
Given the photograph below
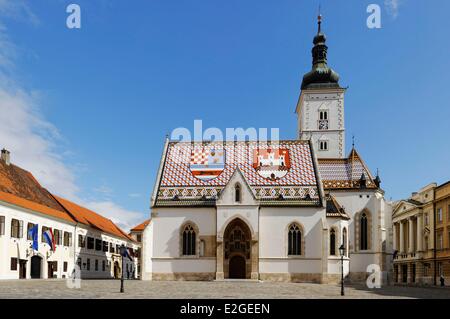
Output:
x=123 y=253
x=341 y=251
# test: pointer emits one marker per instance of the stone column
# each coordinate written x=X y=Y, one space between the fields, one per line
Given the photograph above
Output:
x=420 y=232
x=394 y=228
x=219 y=261
x=402 y=241
x=255 y=260
x=411 y=235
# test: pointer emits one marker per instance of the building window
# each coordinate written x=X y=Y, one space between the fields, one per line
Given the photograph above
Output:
x=90 y=243
x=103 y=265
x=44 y=229
x=57 y=236
x=117 y=249
x=105 y=246
x=88 y=264
x=98 y=244
x=439 y=215
x=111 y=248
x=440 y=241
x=363 y=232
x=65 y=266
x=344 y=241
x=294 y=240
x=29 y=228
x=67 y=239
x=189 y=240
x=81 y=241
x=2 y=225
x=16 y=228
x=13 y=263
x=332 y=242
x=237 y=193
x=323 y=120
x=323 y=145
x=79 y=262
x=139 y=238
x=96 y=265
x=426 y=219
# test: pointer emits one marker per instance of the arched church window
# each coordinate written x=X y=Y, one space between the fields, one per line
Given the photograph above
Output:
x=332 y=242
x=344 y=241
x=364 y=238
x=294 y=240
x=189 y=241
x=237 y=193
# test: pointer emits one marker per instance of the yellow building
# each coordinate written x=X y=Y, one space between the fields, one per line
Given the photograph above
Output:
x=442 y=211
x=413 y=238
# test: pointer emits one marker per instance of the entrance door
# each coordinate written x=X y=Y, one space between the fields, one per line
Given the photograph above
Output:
x=237 y=267
x=52 y=267
x=22 y=269
x=36 y=262
x=405 y=273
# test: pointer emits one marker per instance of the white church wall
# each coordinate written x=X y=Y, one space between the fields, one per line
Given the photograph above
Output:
x=167 y=223
x=147 y=251
x=274 y=223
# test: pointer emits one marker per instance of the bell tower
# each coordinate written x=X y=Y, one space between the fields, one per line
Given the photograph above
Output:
x=320 y=108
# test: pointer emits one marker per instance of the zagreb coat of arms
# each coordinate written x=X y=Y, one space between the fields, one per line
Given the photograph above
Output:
x=207 y=164
x=272 y=164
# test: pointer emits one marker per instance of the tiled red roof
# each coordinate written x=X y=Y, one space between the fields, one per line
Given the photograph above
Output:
x=92 y=219
x=141 y=226
x=344 y=173
x=19 y=187
x=178 y=182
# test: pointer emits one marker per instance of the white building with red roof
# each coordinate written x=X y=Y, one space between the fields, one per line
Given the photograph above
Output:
x=83 y=240
x=274 y=210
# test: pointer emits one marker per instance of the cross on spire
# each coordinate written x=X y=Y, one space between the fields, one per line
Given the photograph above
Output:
x=319 y=21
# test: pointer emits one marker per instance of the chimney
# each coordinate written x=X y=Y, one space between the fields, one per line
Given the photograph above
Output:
x=5 y=156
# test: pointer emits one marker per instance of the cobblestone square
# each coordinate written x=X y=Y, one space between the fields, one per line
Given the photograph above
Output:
x=135 y=289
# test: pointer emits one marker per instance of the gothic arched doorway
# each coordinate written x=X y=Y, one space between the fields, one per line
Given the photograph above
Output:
x=237 y=250
x=36 y=263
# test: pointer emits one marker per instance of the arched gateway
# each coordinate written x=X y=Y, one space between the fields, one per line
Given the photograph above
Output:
x=237 y=261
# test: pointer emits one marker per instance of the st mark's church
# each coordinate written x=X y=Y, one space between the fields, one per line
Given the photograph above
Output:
x=275 y=211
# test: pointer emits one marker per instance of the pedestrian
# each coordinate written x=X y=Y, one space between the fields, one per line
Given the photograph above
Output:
x=442 y=279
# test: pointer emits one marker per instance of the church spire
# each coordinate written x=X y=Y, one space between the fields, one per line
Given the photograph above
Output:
x=321 y=75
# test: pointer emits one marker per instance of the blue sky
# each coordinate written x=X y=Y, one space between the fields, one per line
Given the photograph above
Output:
x=92 y=106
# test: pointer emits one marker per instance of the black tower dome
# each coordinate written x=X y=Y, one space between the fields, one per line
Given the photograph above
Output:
x=321 y=76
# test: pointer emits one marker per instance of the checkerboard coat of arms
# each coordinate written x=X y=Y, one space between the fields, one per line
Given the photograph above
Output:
x=207 y=164
x=272 y=164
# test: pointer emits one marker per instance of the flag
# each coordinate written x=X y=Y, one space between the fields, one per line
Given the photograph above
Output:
x=48 y=235
x=125 y=253
x=33 y=232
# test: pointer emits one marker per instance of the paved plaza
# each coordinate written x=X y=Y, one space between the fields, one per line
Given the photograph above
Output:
x=191 y=290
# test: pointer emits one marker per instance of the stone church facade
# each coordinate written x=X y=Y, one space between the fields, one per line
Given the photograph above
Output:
x=273 y=210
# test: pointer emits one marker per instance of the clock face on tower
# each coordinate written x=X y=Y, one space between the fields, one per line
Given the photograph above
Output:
x=323 y=124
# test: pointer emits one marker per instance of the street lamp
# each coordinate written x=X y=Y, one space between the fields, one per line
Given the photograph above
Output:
x=123 y=253
x=341 y=251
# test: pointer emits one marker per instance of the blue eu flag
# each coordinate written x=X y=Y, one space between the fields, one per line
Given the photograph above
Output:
x=33 y=232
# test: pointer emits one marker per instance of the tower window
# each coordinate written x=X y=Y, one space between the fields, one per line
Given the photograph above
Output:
x=323 y=115
x=237 y=193
x=323 y=145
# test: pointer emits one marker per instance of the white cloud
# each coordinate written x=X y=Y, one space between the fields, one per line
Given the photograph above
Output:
x=392 y=7
x=35 y=143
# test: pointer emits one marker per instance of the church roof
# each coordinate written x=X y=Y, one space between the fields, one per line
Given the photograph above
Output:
x=321 y=75
x=345 y=173
x=334 y=209
x=291 y=180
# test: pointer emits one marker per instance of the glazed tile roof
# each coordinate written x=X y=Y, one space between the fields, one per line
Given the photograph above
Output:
x=19 y=187
x=141 y=226
x=344 y=173
x=178 y=186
